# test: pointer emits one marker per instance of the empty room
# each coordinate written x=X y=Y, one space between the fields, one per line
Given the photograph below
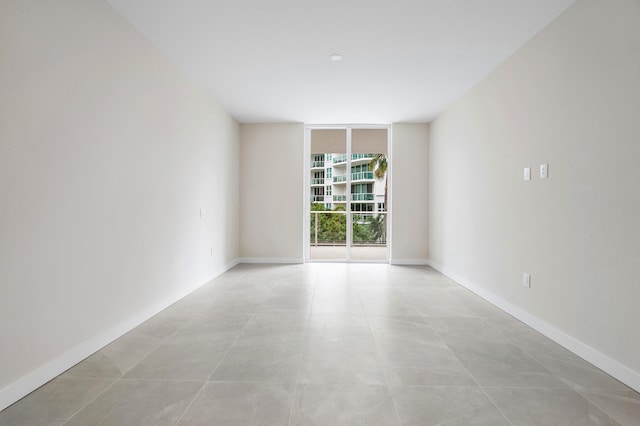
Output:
x=319 y=213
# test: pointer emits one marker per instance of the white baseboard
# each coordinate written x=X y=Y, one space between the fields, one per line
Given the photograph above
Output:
x=409 y=261
x=287 y=260
x=32 y=381
x=621 y=372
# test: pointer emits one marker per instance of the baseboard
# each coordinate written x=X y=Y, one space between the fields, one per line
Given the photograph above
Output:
x=612 y=367
x=32 y=381
x=286 y=260
x=409 y=261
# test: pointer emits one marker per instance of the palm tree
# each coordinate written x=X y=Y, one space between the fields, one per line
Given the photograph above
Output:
x=379 y=166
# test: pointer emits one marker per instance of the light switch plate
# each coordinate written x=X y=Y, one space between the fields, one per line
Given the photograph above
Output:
x=544 y=171
x=527 y=173
x=526 y=280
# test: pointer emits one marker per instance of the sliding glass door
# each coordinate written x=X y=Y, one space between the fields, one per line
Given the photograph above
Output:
x=348 y=191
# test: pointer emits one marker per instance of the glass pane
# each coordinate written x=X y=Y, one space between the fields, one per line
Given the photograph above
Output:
x=369 y=232
x=369 y=164
x=328 y=220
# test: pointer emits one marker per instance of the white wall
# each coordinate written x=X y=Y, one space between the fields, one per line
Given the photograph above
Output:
x=410 y=193
x=107 y=154
x=271 y=192
x=570 y=98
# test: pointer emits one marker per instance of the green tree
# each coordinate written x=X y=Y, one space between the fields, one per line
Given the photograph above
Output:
x=379 y=164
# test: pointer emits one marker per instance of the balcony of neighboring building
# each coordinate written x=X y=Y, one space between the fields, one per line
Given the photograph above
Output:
x=363 y=197
x=317 y=165
x=317 y=181
x=317 y=198
x=361 y=158
x=340 y=179
x=357 y=158
x=339 y=198
x=362 y=177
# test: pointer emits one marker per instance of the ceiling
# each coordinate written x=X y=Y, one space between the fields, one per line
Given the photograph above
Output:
x=403 y=60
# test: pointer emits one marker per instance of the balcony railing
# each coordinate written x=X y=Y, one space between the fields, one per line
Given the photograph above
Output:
x=317 y=181
x=343 y=158
x=361 y=156
x=339 y=198
x=362 y=176
x=362 y=197
x=329 y=228
x=317 y=198
x=340 y=179
x=317 y=164
x=340 y=159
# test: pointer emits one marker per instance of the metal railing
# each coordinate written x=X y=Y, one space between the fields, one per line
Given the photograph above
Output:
x=340 y=159
x=329 y=228
x=362 y=176
x=339 y=197
x=340 y=179
x=317 y=164
x=317 y=198
x=317 y=181
x=361 y=156
x=362 y=197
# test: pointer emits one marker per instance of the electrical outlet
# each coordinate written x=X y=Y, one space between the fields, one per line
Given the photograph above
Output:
x=526 y=280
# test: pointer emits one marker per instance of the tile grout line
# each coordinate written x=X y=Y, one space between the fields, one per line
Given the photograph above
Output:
x=123 y=373
x=217 y=365
x=304 y=351
x=474 y=379
x=384 y=373
x=92 y=400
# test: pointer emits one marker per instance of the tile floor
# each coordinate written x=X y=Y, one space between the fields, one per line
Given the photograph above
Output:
x=330 y=344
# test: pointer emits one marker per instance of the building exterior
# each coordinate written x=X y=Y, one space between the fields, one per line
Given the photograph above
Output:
x=328 y=183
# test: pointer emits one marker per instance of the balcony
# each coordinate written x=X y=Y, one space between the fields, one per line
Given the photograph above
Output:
x=361 y=176
x=359 y=157
x=328 y=235
x=317 y=181
x=339 y=198
x=362 y=197
x=340 y=159
x=317 y=198
x=317 y=164
x=340 y=179
x=354 y=157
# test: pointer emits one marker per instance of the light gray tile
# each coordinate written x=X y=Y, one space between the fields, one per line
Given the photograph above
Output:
x=53 y=403
x=502 y=364
x=412 y=353
x=269 y=349
x=263 y=362
x=476 y=304
x=164 y=324
x=576 y=372
x=211 y=327
x=241 y=404
x=622 y=406
x=451 y=406
x=117 y=358
x=438 y=304
x=139 y=402
x=547 y=407
x=181 y=360
x=336 y=300
x=463 y=330
x=343 y=405
x=386 y=301
x=341 y=359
